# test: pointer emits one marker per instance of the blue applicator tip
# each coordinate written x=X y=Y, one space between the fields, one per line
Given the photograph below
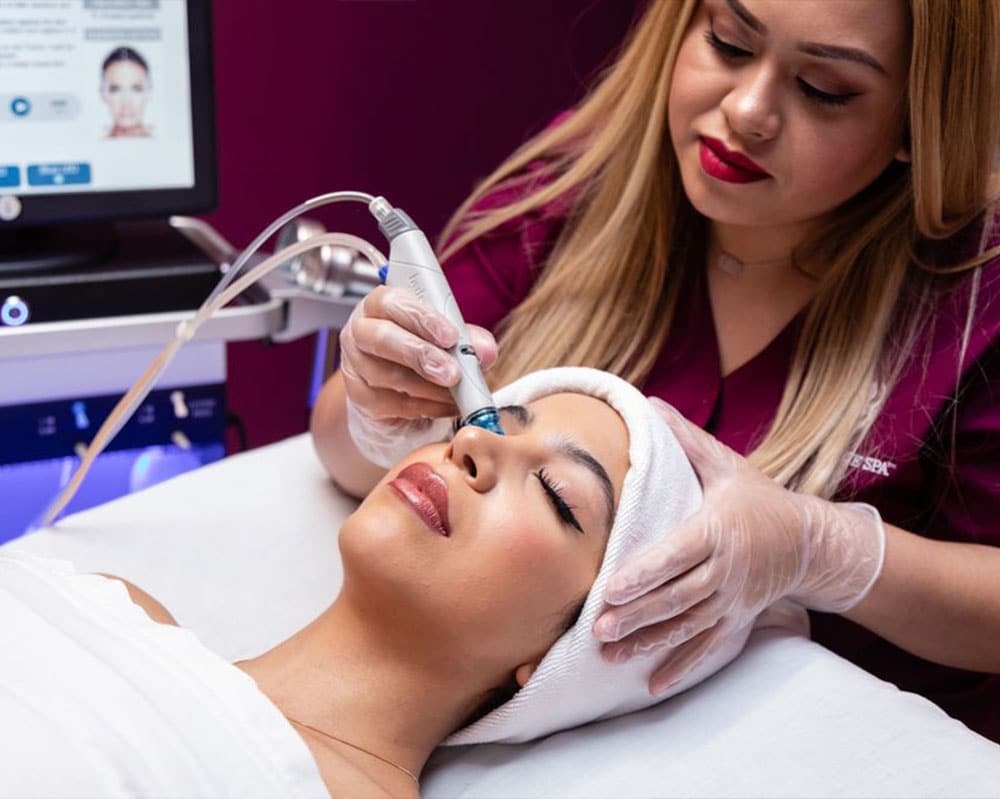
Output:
x=486 y=418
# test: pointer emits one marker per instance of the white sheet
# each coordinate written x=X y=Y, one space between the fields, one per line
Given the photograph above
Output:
x=244 y=552
x=98 y=700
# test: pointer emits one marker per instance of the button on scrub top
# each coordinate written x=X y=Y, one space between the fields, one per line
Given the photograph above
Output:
x=906 y=468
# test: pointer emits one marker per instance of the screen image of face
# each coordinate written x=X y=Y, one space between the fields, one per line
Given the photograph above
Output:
x=126 y=91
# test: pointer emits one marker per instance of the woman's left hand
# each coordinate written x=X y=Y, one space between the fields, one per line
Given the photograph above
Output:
x=751 y=543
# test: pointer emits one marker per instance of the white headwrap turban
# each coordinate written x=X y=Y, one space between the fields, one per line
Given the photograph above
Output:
x=573 y=685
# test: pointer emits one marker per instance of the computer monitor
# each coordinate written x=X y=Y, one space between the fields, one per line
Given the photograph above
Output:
x=106 y=114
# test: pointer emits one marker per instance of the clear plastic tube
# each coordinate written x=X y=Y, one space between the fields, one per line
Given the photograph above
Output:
x=284 y=219
x=216 y=299
x=222 y=294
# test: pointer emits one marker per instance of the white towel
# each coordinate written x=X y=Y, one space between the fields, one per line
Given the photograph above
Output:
x=96 y=699
x=573 y=685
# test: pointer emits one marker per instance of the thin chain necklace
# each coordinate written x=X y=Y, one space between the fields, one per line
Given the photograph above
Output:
x=732 y=265
x=385 y=760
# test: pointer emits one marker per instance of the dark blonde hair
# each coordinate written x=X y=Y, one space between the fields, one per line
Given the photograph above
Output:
x=607 y=293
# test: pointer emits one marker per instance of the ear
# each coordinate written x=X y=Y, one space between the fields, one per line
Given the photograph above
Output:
x=903 y=153
x=524 y=672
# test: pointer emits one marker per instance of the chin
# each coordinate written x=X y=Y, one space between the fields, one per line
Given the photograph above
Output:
x=722 y=207
x=368 y=533
x=379 y=552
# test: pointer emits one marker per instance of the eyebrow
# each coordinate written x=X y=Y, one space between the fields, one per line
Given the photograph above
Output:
x=566 y=448
x=810 y=48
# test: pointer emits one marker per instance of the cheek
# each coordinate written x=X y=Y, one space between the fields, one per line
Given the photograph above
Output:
x=526 y=543
x=830 y=163
x=537 y=568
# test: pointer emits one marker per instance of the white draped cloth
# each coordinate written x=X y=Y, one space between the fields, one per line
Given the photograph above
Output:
x=98 y=700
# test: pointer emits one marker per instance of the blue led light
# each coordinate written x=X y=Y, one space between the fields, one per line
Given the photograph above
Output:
x=14 y=311
x=80 y=415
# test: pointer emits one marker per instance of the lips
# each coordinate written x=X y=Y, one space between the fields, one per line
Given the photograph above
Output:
x=426 y=492
x=722 y=163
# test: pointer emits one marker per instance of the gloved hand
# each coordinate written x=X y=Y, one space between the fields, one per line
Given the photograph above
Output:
x=396 y=372
x=751 y=543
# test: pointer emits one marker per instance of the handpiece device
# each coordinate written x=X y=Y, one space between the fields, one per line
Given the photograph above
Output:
x=414 y=267
x=412 y=264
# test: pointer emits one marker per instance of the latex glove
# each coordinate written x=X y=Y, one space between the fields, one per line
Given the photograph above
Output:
x=751 y=543
x=396 y=373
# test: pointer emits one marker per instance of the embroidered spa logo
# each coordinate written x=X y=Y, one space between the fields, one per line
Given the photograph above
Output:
x=866 y=463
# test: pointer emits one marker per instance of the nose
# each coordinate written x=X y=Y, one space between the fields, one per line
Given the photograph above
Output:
x=751 y=108
x=477 y=453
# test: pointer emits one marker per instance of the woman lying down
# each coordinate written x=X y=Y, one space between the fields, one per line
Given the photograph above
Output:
x=473 y=574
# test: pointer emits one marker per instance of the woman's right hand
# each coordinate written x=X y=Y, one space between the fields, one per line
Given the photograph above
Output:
x=397 y=371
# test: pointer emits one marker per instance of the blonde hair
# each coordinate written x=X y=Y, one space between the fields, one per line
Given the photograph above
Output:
x=607 y=293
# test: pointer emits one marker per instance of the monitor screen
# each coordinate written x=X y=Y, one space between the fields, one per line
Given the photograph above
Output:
x=105 y=110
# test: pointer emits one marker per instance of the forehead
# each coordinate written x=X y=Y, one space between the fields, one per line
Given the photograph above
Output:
x=124 y=69
x=592 y=424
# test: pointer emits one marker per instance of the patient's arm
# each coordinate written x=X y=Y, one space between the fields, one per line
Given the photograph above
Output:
x=153 y=609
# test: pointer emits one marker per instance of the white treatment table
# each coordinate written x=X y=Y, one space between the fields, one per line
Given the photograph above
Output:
x=244 y=552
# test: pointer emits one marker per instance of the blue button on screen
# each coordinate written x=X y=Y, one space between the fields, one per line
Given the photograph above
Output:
x=10 y=176
x=58 y=174
x=20 y=106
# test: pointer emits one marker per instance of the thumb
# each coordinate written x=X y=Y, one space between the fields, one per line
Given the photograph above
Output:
x=484 y=344
x=710 y=458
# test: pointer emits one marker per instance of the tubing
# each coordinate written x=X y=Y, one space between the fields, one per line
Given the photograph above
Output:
x=222 y=294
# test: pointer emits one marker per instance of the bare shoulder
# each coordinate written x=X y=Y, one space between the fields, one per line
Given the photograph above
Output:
x=153 y=608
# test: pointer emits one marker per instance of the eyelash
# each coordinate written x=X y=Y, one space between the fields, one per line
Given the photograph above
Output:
x=728 y=51
x=554 y=492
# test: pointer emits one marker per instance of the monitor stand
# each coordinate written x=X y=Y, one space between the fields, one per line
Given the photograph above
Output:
x=46 y=249
x=124 y=268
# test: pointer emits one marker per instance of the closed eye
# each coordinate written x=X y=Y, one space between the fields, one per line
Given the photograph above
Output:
x=554 y=492
x=733 y=53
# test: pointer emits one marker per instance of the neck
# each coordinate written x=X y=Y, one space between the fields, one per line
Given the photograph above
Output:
x=349 y=678
x=764 y=249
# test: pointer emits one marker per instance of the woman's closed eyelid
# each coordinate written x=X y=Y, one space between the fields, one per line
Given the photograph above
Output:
x=732 y=30
x=556 y=494
x=731 y=52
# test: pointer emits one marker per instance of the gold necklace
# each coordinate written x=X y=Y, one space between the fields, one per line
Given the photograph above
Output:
x=732 y=265
x=385 y=760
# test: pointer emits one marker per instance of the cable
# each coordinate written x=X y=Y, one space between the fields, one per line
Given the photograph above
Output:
x=281 y=221
x=222 y=294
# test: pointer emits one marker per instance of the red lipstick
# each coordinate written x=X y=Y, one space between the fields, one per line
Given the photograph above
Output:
x=727 y=165
x=426 y=492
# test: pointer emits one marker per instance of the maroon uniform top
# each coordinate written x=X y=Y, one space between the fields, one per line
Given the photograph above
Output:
x=904 y=469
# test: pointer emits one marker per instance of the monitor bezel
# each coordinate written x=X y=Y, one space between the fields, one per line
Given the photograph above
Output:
x=39 y=210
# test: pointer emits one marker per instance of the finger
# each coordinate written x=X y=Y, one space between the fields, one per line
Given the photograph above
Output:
x=379 y=373
x=660 y=604
x=387 y=340
x=484 y=344
x=682 y=550
x=382 y=404
x=687 y=658
x=401 y=307
x=667 y=634
x=710 y=458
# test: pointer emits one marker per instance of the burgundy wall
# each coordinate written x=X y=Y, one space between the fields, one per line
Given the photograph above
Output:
x=412 y=99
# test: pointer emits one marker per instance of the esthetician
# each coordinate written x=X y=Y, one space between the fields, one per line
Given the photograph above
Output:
x=780 y=219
